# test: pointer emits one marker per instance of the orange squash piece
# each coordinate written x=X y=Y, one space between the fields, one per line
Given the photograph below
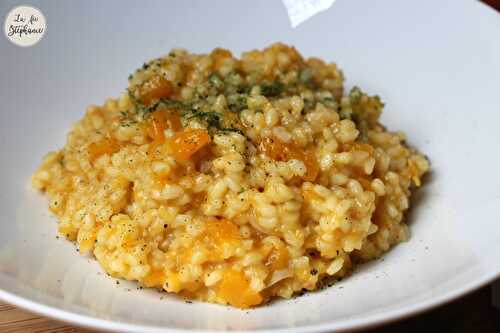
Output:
x=184 y=144
x=219 y=236
x=235 y=289
x=155 y=88
x=219 y=56
x=202 y=155
x=222 y=231
x=280 y=151
x=105 y=146
x=161 y=120
x=155 y=279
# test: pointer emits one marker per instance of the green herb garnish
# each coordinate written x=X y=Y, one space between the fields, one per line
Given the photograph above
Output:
x=329 y=102
x=306 y=76
x=308 y=105
x=170 y=104
x=212 y=118
x=355 y=95
x=216 y=81
x=226 y=130
x=237 y=102
x=273 y=89
x=243 y=89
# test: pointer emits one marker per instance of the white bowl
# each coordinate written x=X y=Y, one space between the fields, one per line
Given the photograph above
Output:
x=436 y=65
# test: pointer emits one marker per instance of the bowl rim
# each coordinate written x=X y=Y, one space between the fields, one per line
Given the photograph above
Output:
x=354 y=324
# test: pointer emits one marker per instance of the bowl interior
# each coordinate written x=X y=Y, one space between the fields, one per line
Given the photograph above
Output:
x=436 y=66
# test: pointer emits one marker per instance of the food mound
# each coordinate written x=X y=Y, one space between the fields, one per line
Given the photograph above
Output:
x=233 y=180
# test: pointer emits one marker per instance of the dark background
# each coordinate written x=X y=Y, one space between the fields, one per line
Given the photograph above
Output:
x=473 y=313
x=493 y=3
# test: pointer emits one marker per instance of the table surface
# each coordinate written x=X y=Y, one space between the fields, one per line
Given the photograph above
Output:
x=471 y=313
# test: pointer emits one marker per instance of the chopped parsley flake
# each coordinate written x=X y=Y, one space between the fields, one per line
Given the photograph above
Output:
x=273 y=89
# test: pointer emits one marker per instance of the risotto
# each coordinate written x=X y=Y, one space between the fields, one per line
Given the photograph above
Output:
x=233 y=180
